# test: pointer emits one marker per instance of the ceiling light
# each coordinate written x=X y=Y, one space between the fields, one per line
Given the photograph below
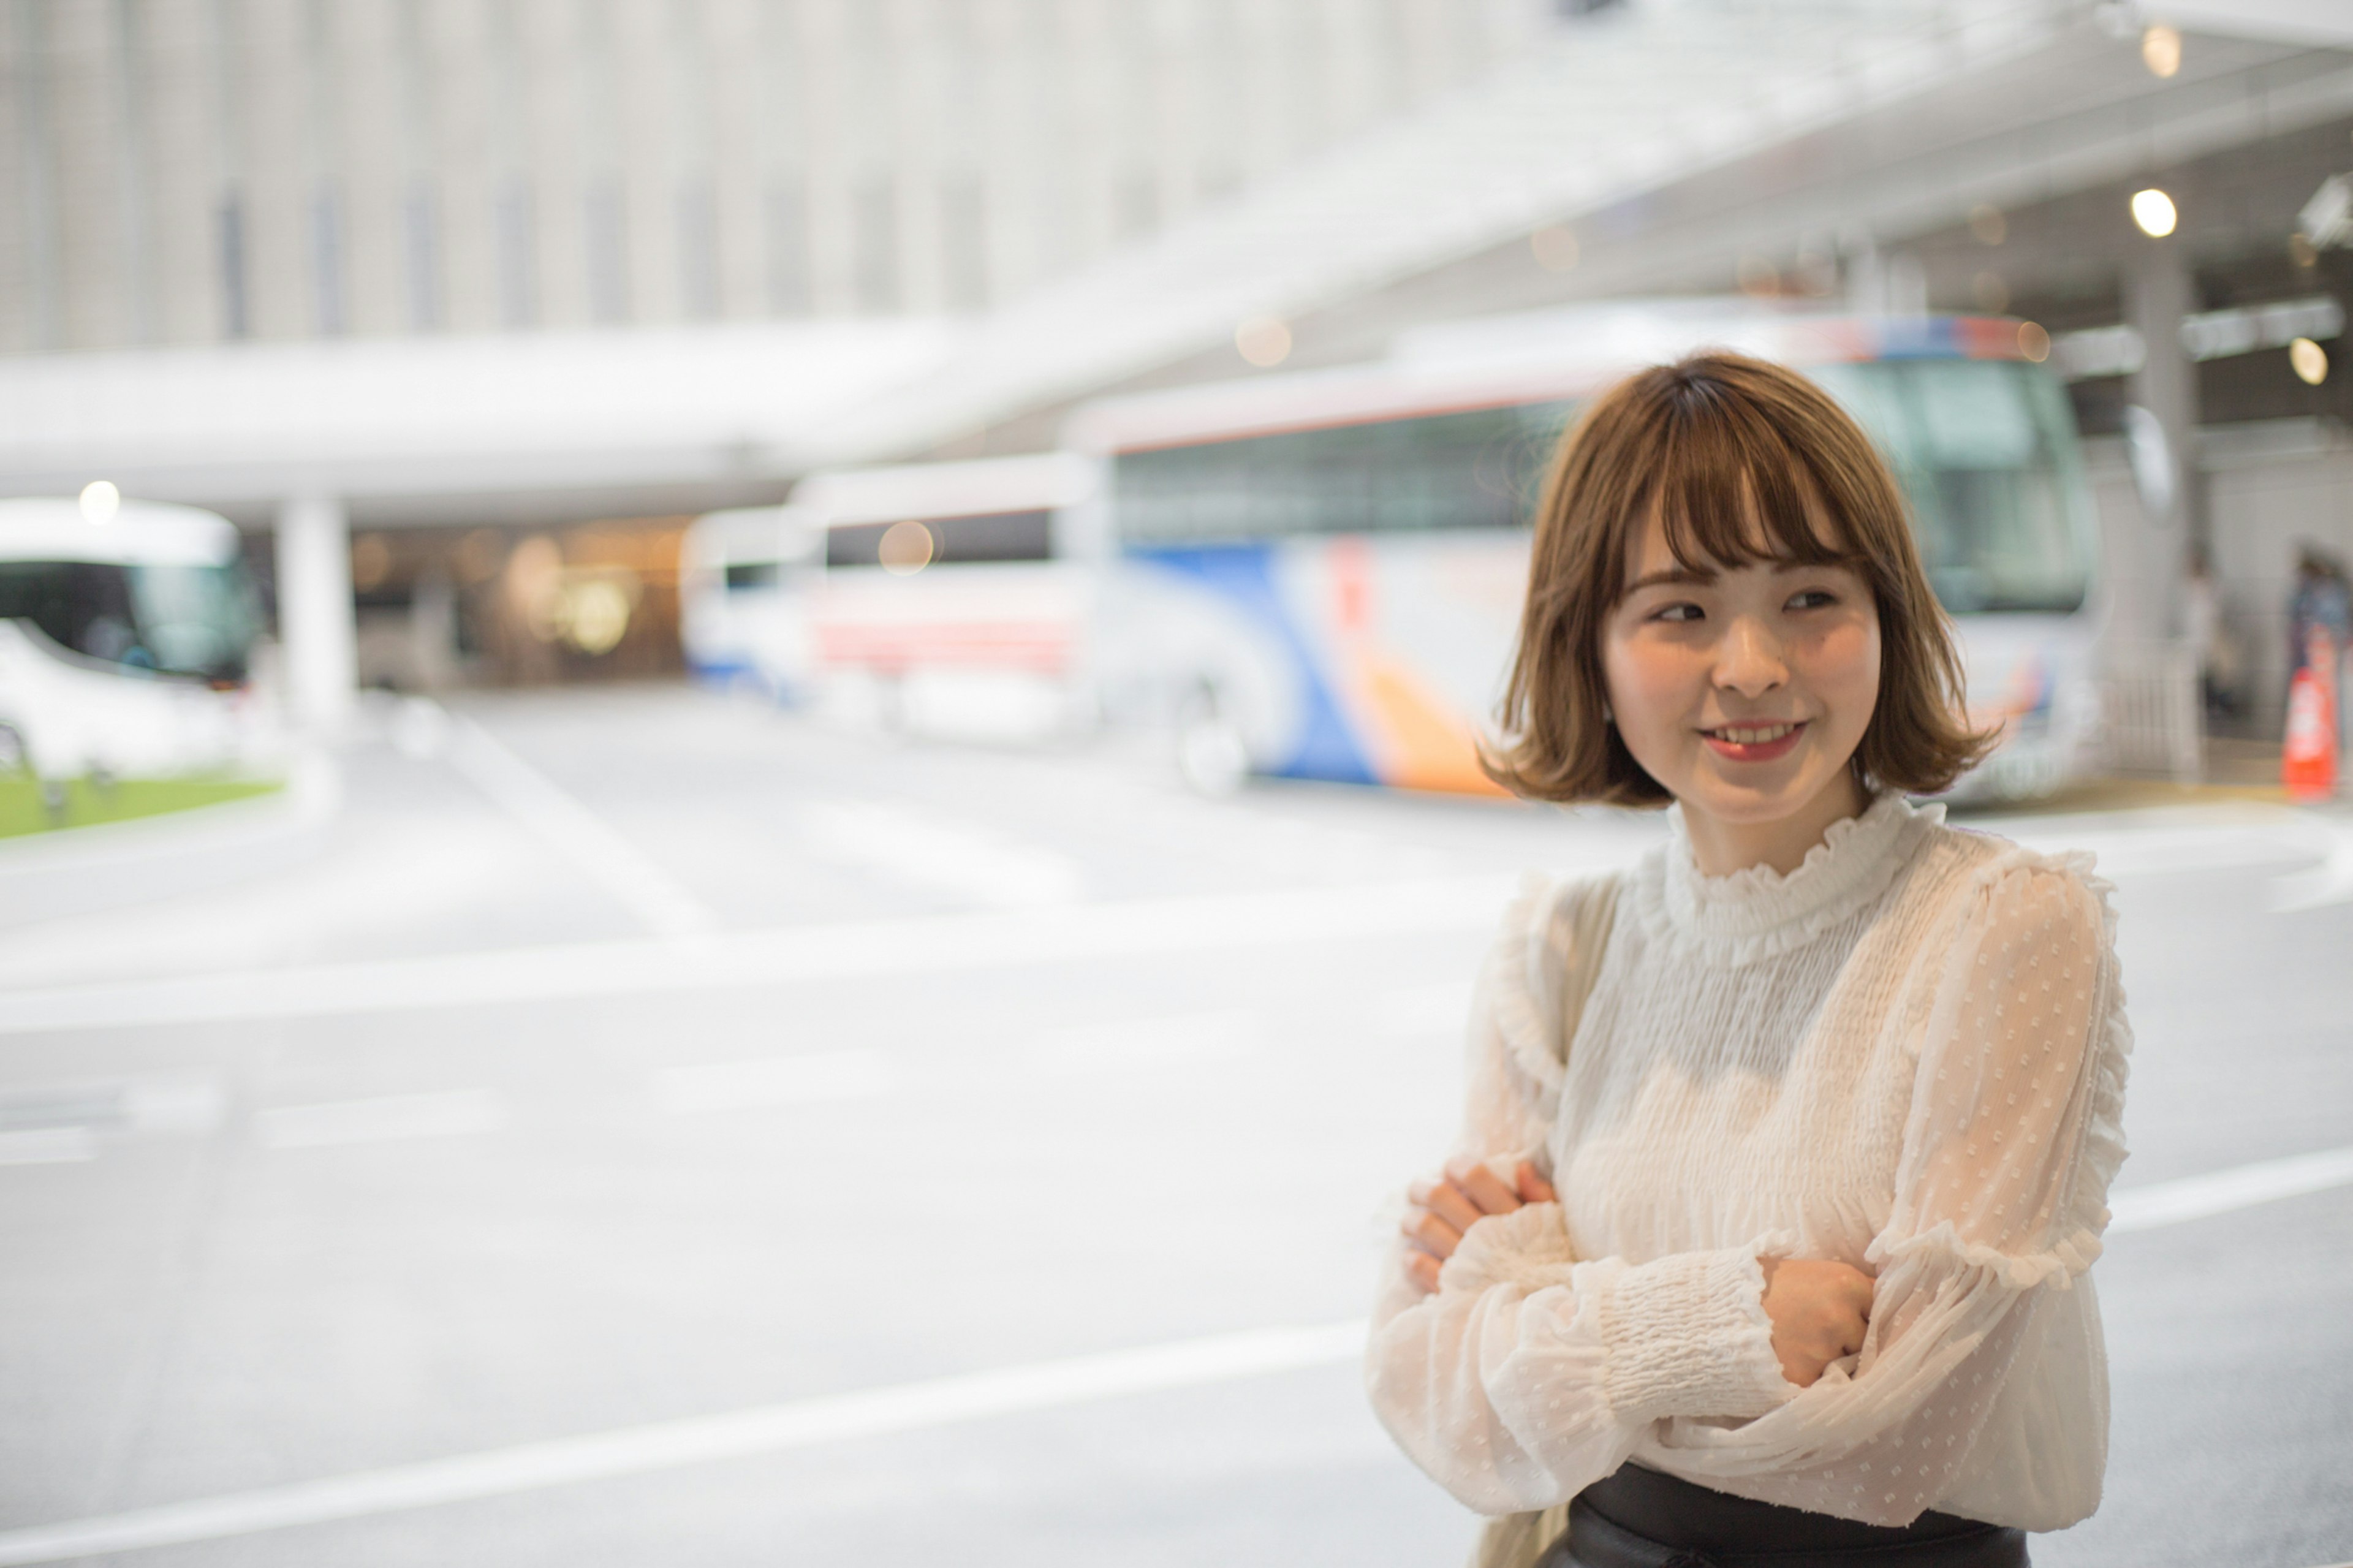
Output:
x=2153 y=211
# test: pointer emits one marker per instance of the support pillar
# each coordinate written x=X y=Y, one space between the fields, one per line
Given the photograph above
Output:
x=2159 y=292
x=316 y=622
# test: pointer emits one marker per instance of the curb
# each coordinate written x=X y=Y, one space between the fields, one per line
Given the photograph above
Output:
x=48 y=875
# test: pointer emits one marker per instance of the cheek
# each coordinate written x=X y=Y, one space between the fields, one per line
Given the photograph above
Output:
x=1649 y=682
x=1843 y=666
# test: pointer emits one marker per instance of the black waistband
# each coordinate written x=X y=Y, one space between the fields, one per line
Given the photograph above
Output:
x=1675 y=1512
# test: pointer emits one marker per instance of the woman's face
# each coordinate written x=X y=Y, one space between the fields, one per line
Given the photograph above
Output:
x=1743 y=692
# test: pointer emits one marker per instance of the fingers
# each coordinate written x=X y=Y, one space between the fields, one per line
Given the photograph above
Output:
x=1534 y=1188
x=1482 y=1186
x=1430 y=1233
x=1422 y=1269
x=1446 y=1201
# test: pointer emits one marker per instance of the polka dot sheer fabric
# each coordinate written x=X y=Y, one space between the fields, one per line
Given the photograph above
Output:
x=1907 y=1055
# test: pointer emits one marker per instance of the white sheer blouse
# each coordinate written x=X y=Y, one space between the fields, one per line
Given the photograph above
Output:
x=1907 y=1055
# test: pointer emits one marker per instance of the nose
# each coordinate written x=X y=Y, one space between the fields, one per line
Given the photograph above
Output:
x=1749 y=659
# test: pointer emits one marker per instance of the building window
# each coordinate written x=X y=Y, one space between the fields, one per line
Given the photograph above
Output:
x=874 y=220
x=608 y=271
x=964 y=240
x=1135 y=208
x=420 y=238
x=327 y=261
x=789 y=258
x=698 y=250
x=518 y=296
x=236 y=317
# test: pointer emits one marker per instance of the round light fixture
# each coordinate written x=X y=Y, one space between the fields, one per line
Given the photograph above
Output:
x=2160 y=49
x=2309 y=361
x=100 y=500
x=1554 y=248
x=2153 y=213
x=2033 y=341
x=1263 y=341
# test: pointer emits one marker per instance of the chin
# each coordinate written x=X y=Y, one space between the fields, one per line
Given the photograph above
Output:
x=1761 y=801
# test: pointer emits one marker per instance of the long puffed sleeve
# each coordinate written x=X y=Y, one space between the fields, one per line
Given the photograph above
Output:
x=2012 y=1137
x=1531 y=1373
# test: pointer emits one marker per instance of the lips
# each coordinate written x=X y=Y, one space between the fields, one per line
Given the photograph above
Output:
x=1755 y=742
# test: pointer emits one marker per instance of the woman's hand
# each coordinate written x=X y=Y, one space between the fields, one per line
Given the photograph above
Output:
x=1819 y=1311
x=1445 y=1208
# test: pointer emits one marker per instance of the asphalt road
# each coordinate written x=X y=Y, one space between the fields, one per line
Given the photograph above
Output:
x=635 y=1127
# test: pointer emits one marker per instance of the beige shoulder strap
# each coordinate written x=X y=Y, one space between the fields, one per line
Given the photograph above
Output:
x=1589 y=931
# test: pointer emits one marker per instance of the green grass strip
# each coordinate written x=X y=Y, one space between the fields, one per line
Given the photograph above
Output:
x=23 y=811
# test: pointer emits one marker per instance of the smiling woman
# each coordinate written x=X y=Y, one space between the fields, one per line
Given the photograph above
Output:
x=1785 y=1151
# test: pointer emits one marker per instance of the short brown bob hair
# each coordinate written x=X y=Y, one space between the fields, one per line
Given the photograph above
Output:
x=1726 y=446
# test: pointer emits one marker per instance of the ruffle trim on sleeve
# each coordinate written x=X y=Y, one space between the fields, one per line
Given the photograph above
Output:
x=2058 y=1267
x=1527 y=1247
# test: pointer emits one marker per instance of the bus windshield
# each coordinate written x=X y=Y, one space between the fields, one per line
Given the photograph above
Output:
x=173 y=619
x=1983 y=450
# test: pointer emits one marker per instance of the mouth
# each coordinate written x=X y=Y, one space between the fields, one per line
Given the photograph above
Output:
x=1755 y=742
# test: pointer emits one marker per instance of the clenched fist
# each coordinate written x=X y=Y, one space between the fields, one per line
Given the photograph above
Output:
x=1819 y=1311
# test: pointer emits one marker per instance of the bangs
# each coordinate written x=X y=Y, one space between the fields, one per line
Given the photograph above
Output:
x=1731 y=491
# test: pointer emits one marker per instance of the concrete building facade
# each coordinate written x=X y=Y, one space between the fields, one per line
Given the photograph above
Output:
x=181 y=172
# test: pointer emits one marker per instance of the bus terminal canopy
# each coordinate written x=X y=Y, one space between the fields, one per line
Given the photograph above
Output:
x=1835 y=119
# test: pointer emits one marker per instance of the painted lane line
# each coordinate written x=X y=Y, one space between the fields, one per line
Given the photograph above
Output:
x=558 y=819
x=966 y=861
x=2329 y=884
x=2221 y=1191
x=817 y=1078
x=936 y=1402
x=385 y=1119
x=1413 y=1011
x=695 y=1440
x=790 y=955
x=1145 y=1044
x=47 y=1146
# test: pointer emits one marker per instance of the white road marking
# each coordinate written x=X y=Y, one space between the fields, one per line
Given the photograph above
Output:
x=1185 y=1041
x=2330 y=883
x=936 y=1402
x=790 y=955
x=1443 y=1008
x=561 y=822
x=668 y=1444
x=968 y=861
x=383 y=1118
x=47 y=1146
x=776 y=1080
x=2221 y=1191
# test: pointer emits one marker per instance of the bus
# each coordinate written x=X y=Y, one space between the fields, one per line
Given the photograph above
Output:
x=930 y=596
x=743 y=584
x=126 y=643
x=1318 y=575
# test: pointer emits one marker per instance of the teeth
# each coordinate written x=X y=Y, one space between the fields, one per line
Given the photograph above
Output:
x=1756 y=736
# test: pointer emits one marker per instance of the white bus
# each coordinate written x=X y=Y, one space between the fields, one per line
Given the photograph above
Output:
x=932 y=595
x=1319 y=575
x=125 y=645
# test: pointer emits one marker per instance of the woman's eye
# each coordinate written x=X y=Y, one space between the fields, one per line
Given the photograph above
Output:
x=1813 y=599
x=1676 y=612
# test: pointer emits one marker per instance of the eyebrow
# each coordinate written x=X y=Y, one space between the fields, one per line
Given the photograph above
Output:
x=1671 y=575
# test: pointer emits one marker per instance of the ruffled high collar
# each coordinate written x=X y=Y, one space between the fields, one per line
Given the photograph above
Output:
x=1755 y=913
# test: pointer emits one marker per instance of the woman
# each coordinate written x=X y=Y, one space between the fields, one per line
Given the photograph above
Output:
x=1787 y=1152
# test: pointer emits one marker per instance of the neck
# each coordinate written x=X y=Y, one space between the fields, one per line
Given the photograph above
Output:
x=1721 y=847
